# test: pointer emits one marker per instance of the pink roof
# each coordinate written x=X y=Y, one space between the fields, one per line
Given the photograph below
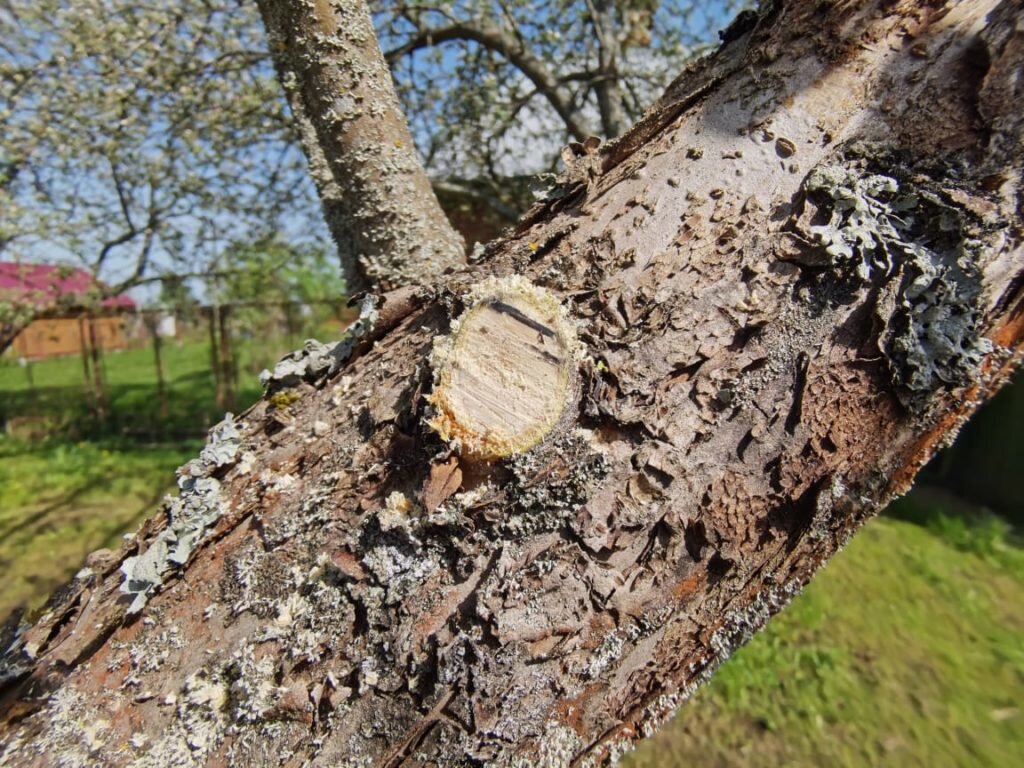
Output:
x=48 y=284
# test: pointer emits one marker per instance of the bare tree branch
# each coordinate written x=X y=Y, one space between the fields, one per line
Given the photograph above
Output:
x=609 y=93
x=513 y=51
x=491 y=201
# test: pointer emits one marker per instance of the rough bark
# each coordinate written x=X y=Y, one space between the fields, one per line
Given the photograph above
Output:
x=791 y=283
x=378 y=202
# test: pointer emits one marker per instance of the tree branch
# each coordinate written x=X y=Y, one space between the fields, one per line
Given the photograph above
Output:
x=519 y=519
x=609 y=93
x=379 y=205
x=110 y=245
x=513 y=51
x=492 y=201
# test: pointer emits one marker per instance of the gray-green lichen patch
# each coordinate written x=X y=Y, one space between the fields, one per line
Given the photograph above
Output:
x=12 y=660
x=395 y=555
x=864 y=233
x=222 y=447
x=196 y=509
x=317 y=360
x=934 y=340
x=570 y=468
x=609 y=651
x=741 y=625
x=917 y=249
x=190 y=516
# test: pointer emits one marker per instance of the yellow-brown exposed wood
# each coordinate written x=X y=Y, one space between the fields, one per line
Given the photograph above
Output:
x=504 y=375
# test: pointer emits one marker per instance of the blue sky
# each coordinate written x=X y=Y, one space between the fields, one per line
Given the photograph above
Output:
x=304 y=223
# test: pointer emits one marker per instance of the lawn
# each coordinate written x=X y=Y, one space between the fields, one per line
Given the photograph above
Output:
x=908 y=649
x=77 y=485
x=60 y=501
x=57 y=403
x=51 y=397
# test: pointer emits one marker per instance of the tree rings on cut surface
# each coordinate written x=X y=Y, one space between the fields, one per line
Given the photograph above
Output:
x=503 y=376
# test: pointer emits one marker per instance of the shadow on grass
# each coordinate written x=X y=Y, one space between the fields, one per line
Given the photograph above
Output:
x=967 y=526
x=132 y=411
x=37 y=518
x=60 y=500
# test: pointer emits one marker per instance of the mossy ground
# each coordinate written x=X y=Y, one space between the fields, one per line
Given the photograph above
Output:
x=908 y=649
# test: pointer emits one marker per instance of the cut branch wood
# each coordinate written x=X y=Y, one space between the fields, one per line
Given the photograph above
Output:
x=504 y=377
x=790 y=284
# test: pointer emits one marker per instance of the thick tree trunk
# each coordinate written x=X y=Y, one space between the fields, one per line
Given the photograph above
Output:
x=516 y=520
x=378 y=202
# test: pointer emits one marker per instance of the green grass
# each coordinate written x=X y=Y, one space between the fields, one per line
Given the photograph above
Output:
x=60 y=501
x=908 y=649
x=57 y=403
x=70 y=485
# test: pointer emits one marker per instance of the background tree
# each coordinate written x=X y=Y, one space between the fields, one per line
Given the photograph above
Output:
x=138 y=141
x=496 y=89
x=270 y=285
x=177 y=296
x=277 y=272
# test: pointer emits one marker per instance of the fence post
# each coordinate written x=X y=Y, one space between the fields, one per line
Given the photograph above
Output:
x=226 y=360
x=83 y=345
x=152 y=325
x=212 y=315
x=97 y=371
x=289 y=321
x=27 y=364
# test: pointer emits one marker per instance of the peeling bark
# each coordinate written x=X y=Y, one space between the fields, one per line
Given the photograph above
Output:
x=378 y=202
x=791 y=282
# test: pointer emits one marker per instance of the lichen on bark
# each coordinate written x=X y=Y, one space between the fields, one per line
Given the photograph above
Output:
x=916 y=248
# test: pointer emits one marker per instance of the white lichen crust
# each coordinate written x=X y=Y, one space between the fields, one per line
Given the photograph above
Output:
x=503 y=376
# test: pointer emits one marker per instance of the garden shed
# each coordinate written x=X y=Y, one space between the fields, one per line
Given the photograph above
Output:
x=73 y=313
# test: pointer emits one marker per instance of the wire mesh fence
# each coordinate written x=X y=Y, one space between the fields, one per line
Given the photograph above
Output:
x=150 y=373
